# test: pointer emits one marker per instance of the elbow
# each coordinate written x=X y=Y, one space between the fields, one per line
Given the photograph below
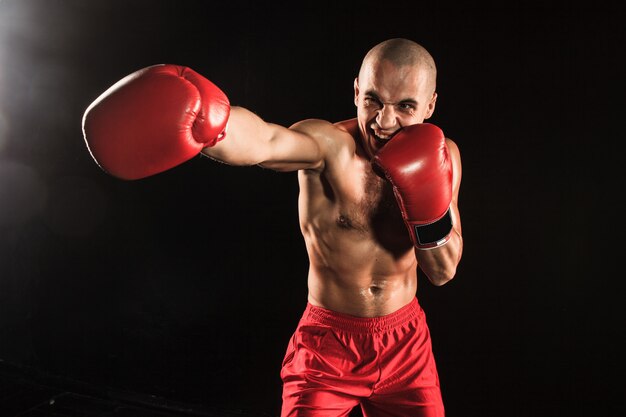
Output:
x=442 y=276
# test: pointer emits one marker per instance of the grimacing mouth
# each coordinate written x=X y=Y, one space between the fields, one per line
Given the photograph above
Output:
x=381 y=140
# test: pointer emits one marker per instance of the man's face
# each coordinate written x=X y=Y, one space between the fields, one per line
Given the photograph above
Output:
x=388 y=98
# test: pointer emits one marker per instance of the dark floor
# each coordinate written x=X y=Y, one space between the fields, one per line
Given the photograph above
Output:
x=28 y=392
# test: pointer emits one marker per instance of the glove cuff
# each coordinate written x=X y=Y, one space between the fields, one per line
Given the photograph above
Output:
x=435 y=234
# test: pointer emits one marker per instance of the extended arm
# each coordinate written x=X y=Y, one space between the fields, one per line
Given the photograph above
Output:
x=252 y=141
x=161 y=116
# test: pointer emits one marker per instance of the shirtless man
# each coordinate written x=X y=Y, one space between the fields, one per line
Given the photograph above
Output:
x=378 y=197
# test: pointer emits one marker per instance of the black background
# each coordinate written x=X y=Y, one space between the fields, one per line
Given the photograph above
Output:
x=187 y=285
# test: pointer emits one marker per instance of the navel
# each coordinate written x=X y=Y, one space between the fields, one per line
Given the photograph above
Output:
x=375 y=290
x=372 y=290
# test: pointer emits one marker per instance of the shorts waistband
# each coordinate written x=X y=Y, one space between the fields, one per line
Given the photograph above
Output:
x=356 y=324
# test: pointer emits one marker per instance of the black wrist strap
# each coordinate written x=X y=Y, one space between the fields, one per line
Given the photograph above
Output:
x=431 y=234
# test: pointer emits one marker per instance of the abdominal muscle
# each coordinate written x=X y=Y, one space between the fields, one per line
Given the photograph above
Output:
x=359 y=279
x=375 y=299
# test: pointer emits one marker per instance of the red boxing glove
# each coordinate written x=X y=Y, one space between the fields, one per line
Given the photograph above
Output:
x=154 y=119
x=417 y=164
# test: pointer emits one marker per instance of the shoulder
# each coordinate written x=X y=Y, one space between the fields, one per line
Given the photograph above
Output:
x=335 y=141
x=329 y=136
x=318 y=127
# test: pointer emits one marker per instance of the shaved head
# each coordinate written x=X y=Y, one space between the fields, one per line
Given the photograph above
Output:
x=401 y=53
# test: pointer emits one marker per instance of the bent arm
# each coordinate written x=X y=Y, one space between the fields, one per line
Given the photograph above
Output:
x=250 y=140
x=439 y=264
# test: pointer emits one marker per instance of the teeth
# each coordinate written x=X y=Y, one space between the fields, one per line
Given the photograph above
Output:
x=383 y=137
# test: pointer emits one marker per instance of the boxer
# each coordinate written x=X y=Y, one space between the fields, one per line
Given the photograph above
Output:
x=378 y=198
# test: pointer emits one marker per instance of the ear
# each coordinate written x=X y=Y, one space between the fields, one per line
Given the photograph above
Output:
x=356 y=91
x=430 y=109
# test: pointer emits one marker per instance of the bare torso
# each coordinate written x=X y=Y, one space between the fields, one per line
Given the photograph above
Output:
x=362 y=261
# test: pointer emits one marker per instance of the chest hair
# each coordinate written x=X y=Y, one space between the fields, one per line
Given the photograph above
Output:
x=375 y=209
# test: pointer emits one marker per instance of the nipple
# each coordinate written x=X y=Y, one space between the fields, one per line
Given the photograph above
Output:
x=344 y=222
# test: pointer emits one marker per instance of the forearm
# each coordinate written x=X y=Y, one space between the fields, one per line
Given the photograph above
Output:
x=247 y=139
x=439 y=264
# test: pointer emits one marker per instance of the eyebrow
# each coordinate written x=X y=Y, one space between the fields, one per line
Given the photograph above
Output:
x=374 y=95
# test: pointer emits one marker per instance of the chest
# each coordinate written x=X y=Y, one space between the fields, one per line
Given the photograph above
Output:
x=350 y=203
x=365 y=202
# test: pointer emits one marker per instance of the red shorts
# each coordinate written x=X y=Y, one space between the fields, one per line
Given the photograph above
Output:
x=335 y=362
